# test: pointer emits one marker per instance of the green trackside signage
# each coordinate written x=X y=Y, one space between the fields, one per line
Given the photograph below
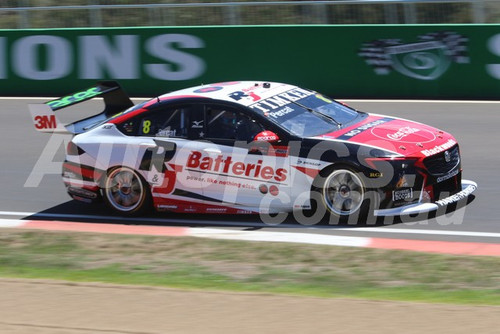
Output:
x=375 y=61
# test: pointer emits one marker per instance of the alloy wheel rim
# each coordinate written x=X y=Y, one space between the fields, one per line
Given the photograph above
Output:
x=124 y=189
x=343 y=192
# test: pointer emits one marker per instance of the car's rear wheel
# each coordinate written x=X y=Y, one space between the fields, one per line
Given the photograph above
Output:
x=126 y=192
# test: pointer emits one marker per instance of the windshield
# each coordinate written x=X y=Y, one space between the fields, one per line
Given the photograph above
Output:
x=308 y=116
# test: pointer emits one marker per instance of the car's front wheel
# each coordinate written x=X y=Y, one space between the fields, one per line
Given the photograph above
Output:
x=126 y=192
x=343 y=193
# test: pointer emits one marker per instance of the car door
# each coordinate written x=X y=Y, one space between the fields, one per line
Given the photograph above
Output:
x=235 y=168
x=166 y=148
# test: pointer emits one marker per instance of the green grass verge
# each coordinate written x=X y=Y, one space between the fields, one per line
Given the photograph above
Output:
x=193 y=263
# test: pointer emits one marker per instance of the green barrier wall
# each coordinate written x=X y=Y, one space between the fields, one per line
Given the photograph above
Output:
x=380 y=61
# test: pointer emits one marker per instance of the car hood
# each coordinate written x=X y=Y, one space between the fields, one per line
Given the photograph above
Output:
x=396 y=135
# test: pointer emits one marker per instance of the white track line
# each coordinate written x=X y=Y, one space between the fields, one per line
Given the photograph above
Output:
x=309 y=238
x=11 y=223
x=387 y=230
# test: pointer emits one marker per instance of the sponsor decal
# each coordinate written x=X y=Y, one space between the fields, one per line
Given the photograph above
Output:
x=75 y=98
x=167 y=207
x=245 y=94
x=376 y=175
x=45 y=122
x=401 y=133
x=364 y=127
x=268 y=136
x=216 y=210
x=244 y=212
x=308 y=162
x=279 y=101
x=128 y=127
x=406 y=134
x=302 y=206
x=281 y=151
x=225 y=165
x=439 y=148
x=166 y=133
x=457 y=197
x=280 y=113
x=447 y=176
x=427 y=59
x=197 y=125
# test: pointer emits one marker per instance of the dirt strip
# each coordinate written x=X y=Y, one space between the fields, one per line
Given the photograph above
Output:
x=58 y=307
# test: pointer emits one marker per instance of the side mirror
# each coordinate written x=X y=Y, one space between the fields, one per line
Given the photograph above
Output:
x=267 y=136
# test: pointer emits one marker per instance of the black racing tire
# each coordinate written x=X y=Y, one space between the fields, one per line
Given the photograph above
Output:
x=126 y=192
x=344 y=197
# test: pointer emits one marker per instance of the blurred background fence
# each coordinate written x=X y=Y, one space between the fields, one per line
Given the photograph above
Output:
x=24 y=14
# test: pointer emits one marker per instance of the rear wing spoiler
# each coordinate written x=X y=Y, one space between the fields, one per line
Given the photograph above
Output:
x=115 y=101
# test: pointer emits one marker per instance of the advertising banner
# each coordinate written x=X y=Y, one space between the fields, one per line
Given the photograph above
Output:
x=345 y=61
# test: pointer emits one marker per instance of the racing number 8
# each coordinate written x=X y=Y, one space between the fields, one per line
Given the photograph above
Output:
x=146 y=126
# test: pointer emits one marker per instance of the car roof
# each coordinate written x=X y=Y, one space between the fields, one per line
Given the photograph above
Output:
x=242 y=92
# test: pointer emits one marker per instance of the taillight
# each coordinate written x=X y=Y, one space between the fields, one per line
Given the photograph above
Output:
x=73 y=149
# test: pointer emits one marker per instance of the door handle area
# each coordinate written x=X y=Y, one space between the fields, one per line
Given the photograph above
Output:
x=147 y=145
x=212 y=151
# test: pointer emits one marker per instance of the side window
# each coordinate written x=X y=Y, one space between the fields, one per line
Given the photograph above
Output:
x=171 y=122
x=227 y=123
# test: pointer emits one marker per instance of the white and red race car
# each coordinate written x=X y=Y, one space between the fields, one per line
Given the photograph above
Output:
x=253 y=147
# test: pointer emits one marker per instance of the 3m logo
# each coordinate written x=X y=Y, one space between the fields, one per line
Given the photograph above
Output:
x=45 y=122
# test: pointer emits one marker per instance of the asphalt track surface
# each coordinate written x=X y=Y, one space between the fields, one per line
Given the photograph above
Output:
x=27 y=194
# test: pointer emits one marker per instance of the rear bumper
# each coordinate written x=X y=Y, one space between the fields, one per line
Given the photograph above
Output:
x=468 y=187
x=80 y=182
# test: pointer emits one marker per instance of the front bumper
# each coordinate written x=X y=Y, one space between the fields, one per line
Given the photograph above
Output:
x=468 y=187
